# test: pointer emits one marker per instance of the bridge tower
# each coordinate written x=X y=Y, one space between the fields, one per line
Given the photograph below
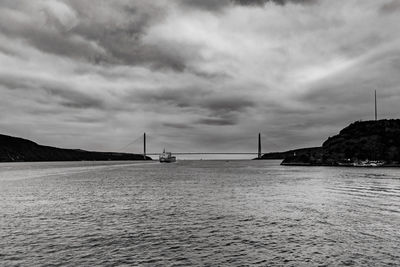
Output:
x=259 y=145
x=376 y=109
x=144 y=146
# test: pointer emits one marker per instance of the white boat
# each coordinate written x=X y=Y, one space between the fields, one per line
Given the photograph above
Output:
x=166 y=157
x=369 y=163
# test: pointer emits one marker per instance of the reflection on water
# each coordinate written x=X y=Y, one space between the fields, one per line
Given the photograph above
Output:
x=225 y=213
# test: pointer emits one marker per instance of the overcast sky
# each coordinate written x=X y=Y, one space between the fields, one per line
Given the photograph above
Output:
x=196 y=75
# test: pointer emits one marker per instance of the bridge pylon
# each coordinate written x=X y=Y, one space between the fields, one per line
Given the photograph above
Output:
x=259 y=145
x=144 y=146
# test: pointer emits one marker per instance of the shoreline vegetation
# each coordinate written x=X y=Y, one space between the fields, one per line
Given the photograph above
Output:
x=14 y=149
x=361 y=144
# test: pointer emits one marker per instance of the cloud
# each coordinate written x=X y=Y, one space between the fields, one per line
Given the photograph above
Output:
x=177 y=125
x=56 y=91
x=227 y=104
x=279 y=2
x=217 y=6
x=220 y=109
x=218 y=121
x=74 y=99
x=390 y=7
x=210 y=5
x=194 y=73
x=107 y=33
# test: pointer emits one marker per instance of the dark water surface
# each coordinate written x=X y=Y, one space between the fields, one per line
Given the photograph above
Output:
x=207 y=213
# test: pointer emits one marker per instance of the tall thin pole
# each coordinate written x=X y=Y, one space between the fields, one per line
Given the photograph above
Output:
x=376 y=109
x=144 y=145
x=259 y=145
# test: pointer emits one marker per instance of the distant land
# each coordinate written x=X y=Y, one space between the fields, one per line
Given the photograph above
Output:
x=14 y=149
x=362 y=140
x=289 y=153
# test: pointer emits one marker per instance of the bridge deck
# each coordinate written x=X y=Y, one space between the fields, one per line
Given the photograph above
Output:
x=206 y=153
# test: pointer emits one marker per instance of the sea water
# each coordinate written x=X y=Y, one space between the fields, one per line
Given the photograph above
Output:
x=197 y=213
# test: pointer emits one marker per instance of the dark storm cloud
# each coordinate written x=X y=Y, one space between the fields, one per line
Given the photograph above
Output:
x=79 y=30
x=212 y=5
x=224 y=110
x=56 y=43
x=280 y=2
x=177 y=125
x=11 y=82
x=191 y=69
x=47 y=34
x=83 y=31
x=218 y=5
x=86 y=119
x=69 y=97
x=196 y=98
x=123 y=42
x=182 y=97
x=391 y=7
x=218 y=121
x=59 y=93
x=217 y=110
x=227 y=104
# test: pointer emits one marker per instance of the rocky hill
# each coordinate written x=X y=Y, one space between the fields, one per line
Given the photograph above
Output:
x=361 y=140
x=374 y=140
x=18 y=149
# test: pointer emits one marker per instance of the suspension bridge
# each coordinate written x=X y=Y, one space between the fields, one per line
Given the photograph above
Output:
x=145 y=153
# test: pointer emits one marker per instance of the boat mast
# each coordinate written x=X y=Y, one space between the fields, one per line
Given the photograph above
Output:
x=259 y=145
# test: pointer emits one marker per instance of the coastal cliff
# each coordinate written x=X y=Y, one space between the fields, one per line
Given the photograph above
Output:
x=361 y=140
x=13 y=149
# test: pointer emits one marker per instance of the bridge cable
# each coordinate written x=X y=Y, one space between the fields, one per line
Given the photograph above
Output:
x=130 y=143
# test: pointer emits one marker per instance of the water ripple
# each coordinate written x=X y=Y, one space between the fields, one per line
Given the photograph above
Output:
x=204 y=213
